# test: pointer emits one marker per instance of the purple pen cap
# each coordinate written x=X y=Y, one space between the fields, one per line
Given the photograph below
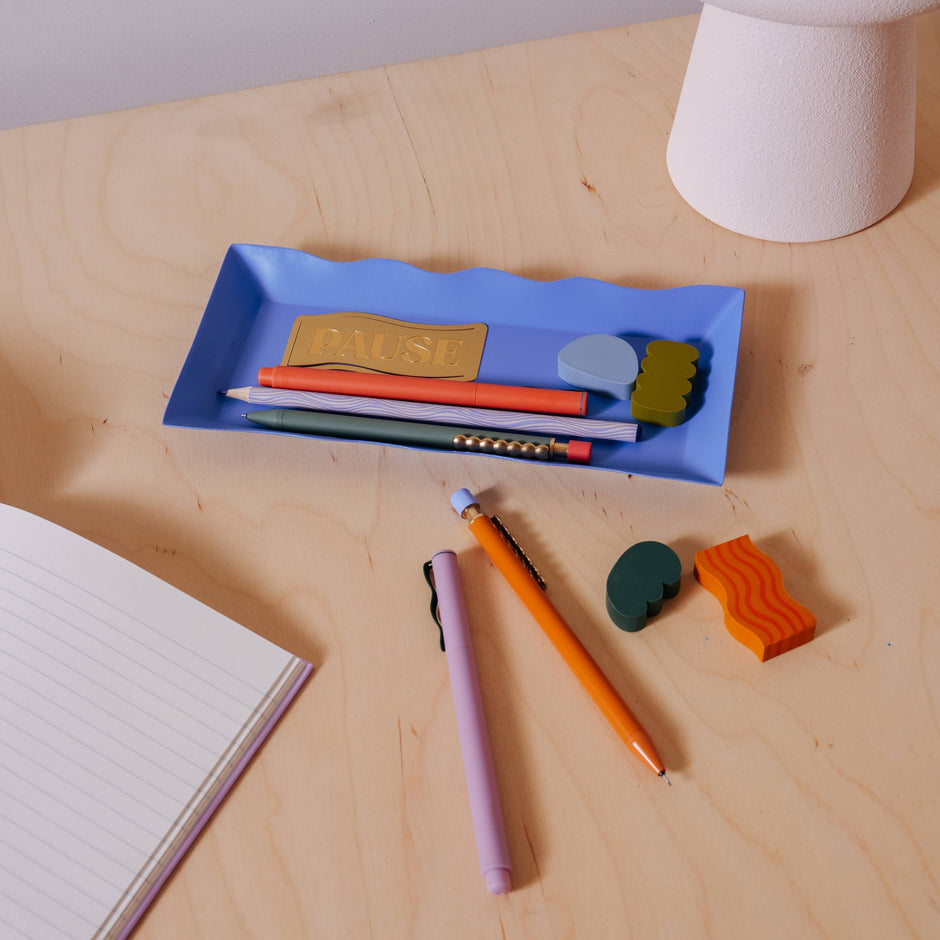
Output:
x=461 y=500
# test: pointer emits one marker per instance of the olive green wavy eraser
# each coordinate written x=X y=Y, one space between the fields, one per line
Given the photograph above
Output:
x=642 y=577
x=665 y=382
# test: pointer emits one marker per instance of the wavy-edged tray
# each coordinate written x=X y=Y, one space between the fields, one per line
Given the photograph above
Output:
x=260 y=290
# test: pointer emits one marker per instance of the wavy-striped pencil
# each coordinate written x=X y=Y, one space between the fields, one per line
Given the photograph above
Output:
x=438 y=414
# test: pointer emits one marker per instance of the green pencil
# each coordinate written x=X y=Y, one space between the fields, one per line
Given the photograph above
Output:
x=417 y=434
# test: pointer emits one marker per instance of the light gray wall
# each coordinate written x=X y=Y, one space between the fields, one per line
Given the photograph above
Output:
x=66 y=58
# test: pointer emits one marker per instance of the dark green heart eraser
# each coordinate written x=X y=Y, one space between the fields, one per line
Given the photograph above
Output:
x=642 y=577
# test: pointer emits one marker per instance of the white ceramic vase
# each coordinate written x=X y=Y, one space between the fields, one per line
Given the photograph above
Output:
x=796 y=117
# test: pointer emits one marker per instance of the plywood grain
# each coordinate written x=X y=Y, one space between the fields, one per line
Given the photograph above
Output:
x=804 y=797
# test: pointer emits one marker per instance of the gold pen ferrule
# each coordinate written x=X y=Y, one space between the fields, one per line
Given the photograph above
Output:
x=472 y=511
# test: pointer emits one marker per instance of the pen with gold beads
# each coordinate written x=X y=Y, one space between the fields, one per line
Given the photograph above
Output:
x=418 y=434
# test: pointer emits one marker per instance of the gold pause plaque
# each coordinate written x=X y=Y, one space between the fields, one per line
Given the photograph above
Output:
x=367 y=342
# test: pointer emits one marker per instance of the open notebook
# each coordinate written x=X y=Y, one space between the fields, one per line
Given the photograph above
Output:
x=127 y=711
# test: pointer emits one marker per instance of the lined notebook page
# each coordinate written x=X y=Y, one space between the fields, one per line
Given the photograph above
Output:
x=127 y=709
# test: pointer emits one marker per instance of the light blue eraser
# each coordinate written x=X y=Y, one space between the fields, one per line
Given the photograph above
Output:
x=600 y=363
x=461 y=500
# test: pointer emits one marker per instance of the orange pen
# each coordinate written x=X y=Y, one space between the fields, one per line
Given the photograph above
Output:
x=553 y=401
x=530 y=589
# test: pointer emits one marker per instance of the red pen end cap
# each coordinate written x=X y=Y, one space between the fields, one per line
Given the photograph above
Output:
x=579 y=451
x=266 y=376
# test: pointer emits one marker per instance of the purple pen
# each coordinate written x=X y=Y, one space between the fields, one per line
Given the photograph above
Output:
x=471 y=725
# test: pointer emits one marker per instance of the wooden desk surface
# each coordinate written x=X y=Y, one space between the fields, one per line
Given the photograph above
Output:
x=805 y=790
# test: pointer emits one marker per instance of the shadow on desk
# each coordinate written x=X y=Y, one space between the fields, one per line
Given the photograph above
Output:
x=756 y=442
x=197 y=567
x=926 y=155
x=925 y=183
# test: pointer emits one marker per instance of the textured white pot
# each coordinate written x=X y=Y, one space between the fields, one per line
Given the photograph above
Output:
x=796 y=117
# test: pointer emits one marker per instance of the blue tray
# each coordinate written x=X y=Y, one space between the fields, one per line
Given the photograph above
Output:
x=260 y=290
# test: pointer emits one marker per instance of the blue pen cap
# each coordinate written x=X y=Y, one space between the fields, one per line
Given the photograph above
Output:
x=461 y=500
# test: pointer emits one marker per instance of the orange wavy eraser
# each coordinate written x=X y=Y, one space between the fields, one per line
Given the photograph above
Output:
x=758 y=611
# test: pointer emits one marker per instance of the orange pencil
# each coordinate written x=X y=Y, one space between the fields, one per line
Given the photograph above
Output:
x=531 y=593
x=554 y=401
